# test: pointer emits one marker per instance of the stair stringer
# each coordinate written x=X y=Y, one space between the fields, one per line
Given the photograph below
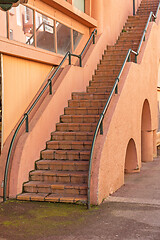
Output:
x=30 y=144
x=122 y=121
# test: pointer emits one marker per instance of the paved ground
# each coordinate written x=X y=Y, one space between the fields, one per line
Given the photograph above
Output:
x=133 y=212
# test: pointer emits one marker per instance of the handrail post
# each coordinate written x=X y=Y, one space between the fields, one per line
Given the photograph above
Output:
x=27 y=125
x=50 y=86
x=80 y=60
x=136 y=58
x=69 y=56
x=116 y=88
x=134 y=13
x=101 y=128
x=144 y=36
x=93 y=38
x=129 y=57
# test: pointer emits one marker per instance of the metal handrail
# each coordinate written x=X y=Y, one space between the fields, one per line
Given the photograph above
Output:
x=25 y=118
x=114 y=90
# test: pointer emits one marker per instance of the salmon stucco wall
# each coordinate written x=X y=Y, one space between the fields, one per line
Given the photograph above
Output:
x=123 y=120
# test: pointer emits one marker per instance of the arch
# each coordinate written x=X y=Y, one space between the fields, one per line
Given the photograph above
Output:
x=131 y=162
x=146 y=134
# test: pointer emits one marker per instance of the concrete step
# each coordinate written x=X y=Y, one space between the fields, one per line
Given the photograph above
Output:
x=102 y=83
x=69 y=145
x=90 y=96
x=79 y=118
x=55 y=188
x=82 y=111
x=107 y=66
x=61 y=165
x=59 y=176
x=87 y=103
x=76 y=127
x=104 y=88
x=112 y=61
x=72 y=136
x=67 y=198
x=65 y=155
x=111 y=72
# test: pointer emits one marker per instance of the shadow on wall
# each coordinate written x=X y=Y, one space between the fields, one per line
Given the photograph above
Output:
x=146 y=134
x=131 y=163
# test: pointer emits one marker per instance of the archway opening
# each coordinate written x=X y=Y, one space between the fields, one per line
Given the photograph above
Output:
x=146 y=134
x=131 y=164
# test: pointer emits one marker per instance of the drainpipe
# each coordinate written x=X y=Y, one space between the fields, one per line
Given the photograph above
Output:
x=134 y=8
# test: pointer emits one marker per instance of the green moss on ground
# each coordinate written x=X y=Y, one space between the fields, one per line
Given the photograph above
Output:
x=39 y=218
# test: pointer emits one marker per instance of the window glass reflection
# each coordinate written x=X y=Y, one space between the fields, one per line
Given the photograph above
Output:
x=76 y=38
x=80 y=4
x=45 y=32
x=21 y=24
x=63 y=38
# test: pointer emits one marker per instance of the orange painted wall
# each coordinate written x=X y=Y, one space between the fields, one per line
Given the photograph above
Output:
x=111 y=16
x=21 y=80
x=123 y=120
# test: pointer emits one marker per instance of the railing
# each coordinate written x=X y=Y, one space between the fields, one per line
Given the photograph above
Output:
x=115 y=90
x=25 y=118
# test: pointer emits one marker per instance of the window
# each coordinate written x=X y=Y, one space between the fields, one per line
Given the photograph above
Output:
x=45 y=32
x=63 y=38
x=80 y=4
x=20 y=28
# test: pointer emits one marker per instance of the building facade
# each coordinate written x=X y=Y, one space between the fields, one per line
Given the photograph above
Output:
x=34 y=38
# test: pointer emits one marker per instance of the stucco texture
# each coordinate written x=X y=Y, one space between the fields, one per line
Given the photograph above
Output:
x=123 y=120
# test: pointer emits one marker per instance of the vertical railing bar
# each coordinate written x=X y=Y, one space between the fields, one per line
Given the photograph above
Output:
x=69 y=56
x=50 y=86
x=134 y=8
x=27 y=125
x=101 y=128
x=80 y=61
x=93 y=39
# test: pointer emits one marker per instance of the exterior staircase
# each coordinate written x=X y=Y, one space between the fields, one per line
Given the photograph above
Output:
x=61 y=173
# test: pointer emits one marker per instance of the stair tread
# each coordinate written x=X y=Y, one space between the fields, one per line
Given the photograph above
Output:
x=65 y=151
x=70 y=142
x=73 y=133
x=52 y=197
x=58 y=173
x=64 y=162
x=66 y=185
x=76 y=124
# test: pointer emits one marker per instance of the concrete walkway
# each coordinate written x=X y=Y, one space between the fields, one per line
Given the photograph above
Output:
x=133 y=212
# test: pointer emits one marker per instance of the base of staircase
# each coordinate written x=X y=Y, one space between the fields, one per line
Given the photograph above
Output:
x=79 y=199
